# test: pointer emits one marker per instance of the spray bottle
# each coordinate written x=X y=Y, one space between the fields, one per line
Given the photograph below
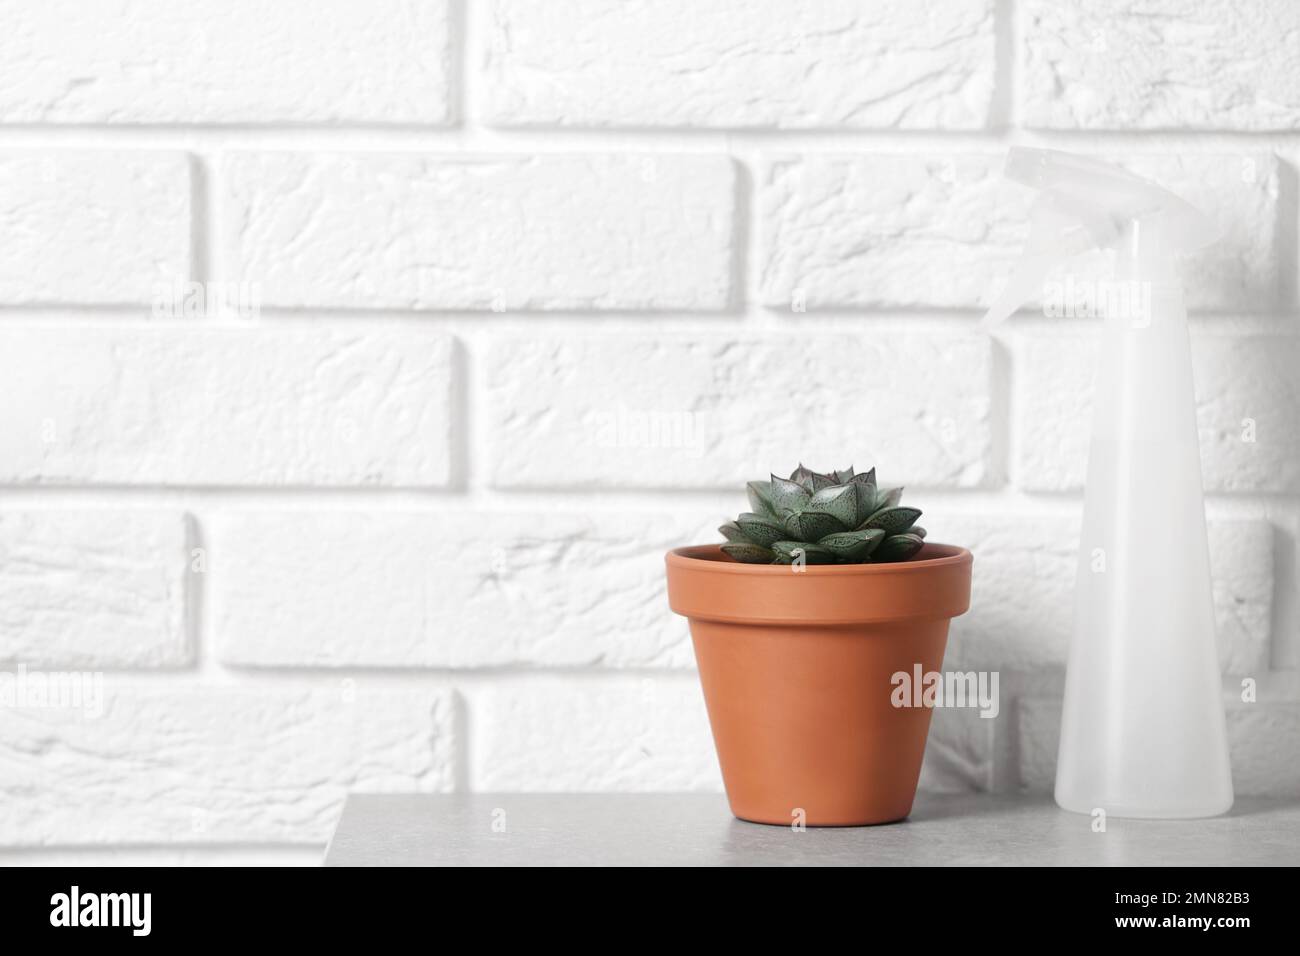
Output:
x=1142 y=727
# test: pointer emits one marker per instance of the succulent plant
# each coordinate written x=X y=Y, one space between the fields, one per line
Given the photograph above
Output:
x=837 y=518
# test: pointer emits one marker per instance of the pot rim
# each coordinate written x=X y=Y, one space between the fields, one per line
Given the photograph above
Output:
x=939 y=556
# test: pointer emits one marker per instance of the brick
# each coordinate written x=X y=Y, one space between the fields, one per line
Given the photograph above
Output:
x=1053 y=425
x=217 y=764
x=1170 y=64
x=715 y=411
x=1038 y=732
x=94 y=589
x=959 y=751
x=1022 y=594
x=1248 y=396
x=741 y=63
x=92 y=227
x=557 y=733
x=1246 y=388
x=884 y=230
x=225 y=406
x=1262 y=741
x=1264 y=738
x=902 y=230
x=460 y=589
x=461 y=232
x=1241 y=562
x=187 y=61
x=1022 y=590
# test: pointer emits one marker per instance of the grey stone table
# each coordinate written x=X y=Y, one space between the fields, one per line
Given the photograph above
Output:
x=515 y=829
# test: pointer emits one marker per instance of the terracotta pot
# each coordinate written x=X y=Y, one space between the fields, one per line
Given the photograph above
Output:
x=797 y=670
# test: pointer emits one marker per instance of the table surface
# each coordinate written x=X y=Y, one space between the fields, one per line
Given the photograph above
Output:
x=667 y=829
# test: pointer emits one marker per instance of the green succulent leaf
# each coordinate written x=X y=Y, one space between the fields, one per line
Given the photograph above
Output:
x=760 y=495
x=838 y=501
x=787 y=552
x=888 y=498
x=803 y=477
x=897 y=547
x=865 y=478
x=820 y=482
x=787 y=496
x=852 y=545
x=864 y=501
x=732 y=532
x=814 y=525
x=836 y=516
x=748 y=553
x=760 y=530
x=893 y=520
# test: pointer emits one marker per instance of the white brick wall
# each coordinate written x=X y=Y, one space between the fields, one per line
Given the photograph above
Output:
x=237 y=61
x=513 y=232
x=1247 y=386
x=1021 y=609
x=96 y=589
x=92 y=227
x=641 y=411
x=1166 y=64
x=226 y=406
x=217 y=764
x=740 y=63
x=909 y=230
x=447 y=589
x=614 y=733
x=540 y=286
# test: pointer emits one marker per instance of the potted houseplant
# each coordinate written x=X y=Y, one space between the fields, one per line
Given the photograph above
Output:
x=822 y=593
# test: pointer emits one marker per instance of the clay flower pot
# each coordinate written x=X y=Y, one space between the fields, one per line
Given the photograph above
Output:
x=797 y=669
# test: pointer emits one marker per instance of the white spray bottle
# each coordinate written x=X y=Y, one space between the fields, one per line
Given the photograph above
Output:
x=1142 y=729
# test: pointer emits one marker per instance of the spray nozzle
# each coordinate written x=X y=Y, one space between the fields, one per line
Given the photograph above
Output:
x=1085 y=204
